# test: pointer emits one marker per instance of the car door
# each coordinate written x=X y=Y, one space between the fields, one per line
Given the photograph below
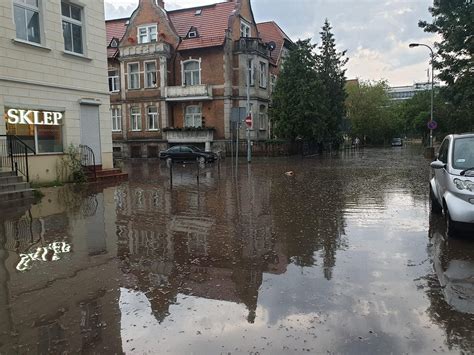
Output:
x=442 y=175
x=187 y=153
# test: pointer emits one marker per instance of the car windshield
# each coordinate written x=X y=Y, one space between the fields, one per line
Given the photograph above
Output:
x=463 y=153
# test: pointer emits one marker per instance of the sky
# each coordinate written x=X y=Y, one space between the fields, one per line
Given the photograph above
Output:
x=375 y=33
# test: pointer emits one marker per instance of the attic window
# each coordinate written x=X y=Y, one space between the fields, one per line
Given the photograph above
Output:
x=114 y=43
x=193 y=33
x=198 y=12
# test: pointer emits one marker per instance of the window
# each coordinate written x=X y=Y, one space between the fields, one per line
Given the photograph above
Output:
x=192 y=33
x=27 y=20
x=147 y=34
x=114 y=81
x=72 y=28
x=263 y=74
x=443 y=151
x=136 y=119
x=192 y=72
x=251 y=72
x=40 y=138
x=262 y=118
x=150 y=74
x=193 y=117
x=245 y=30
x=463 y=153
x=152 y=118
x=133 y=76
x=116 y=119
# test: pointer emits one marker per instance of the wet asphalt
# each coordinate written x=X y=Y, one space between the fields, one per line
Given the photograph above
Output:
x=336 y=254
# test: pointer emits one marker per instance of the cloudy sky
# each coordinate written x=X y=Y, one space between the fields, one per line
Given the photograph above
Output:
x=375 y=33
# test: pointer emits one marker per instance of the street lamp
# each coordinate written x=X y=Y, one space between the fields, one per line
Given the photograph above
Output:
x=412 y=45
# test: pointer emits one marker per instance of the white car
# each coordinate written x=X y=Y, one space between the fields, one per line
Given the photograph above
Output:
x=452 y=187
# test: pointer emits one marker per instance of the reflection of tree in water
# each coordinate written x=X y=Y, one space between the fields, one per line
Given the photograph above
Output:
x=445 y=285
x=308 y=214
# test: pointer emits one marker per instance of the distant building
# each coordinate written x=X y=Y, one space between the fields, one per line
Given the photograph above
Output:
x=406 y=92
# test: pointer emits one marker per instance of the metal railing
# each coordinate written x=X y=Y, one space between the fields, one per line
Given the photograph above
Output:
x=14 y=155
x=88 y=160
x=251 y=45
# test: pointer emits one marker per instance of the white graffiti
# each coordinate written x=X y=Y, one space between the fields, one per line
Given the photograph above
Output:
x=51 y=252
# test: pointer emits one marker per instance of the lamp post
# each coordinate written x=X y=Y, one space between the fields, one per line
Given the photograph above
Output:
x=412 y=45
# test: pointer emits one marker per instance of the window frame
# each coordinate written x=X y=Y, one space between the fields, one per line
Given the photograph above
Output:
x=184 y=71
x=155 y=85
x=71 y=21
x=155 y=119
x=194 y=116
x=114 y=81
x=245 y=29
x=251 y=72
x=129 y=76
x=136 y=116
x=263 y=75
x=27 y=7
x=262 y=114
x=148 y=33
x=116 y=118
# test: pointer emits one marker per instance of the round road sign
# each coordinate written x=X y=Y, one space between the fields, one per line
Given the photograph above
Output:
x=432 y=125
x=248 y=121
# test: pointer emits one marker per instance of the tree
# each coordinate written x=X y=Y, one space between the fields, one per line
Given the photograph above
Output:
x=330 y=67
x=297 y=109
x=453 y=20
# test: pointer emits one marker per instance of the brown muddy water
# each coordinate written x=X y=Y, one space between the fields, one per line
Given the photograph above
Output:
x=342 y=257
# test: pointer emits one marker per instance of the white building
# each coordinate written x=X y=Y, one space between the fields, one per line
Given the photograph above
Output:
x=53 y=80
x=406 y=92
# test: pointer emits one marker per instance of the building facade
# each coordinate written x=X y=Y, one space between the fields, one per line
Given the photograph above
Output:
x=181 y=76
x=53 y=81
x=400 y=93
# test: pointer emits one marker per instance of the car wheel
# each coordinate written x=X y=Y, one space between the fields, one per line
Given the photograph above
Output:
x=450 y=224
x=435 y=206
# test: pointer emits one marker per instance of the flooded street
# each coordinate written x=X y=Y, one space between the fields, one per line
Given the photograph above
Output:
x=342 y=257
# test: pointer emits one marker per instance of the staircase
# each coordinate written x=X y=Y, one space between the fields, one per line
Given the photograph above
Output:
x=99 y=175
x=13 y=190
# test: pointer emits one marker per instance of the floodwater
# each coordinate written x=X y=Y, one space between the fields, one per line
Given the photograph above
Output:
x=342 y=257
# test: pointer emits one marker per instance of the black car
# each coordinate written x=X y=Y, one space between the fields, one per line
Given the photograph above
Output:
x=188 y=153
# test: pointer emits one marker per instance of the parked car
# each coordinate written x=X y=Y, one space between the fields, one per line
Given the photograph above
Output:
x=397 y=142
x=452 y=187
x=188 y=153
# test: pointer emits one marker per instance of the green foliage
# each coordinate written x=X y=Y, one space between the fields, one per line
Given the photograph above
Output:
x=308 y=101
x=453 y=21
x=70 y=167
x=374 y=118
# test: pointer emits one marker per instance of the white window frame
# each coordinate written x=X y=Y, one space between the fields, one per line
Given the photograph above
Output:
x=24 y=6
x=116 y=113
x=262 y=114
x=114 y=80
x=245 y=29
x=251 y=72
x=263 y=75
x=148 y=37
x=193 y=116
x=154 y=117
x=184 y=71
x=72 y=21
x=135 y=119
x=147 y=84
x=129 y=74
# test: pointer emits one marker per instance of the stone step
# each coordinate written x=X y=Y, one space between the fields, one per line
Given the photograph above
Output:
x=107 y=172
x=16 y=195
x=5 y=180
x=14 y=187
x=6 y=173
x=112 y=177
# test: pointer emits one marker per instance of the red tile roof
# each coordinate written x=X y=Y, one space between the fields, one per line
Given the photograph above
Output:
x=115 y=29
x=270 y=31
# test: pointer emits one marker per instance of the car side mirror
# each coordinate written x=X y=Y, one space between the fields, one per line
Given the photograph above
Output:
x=438 y=165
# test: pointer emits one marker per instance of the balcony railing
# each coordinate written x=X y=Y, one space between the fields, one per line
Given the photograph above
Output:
x=251 y=45
x=186 y=93
x=145 y=49
x=199 y=135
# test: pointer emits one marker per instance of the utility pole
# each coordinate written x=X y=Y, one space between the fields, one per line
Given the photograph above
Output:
x=249 y=72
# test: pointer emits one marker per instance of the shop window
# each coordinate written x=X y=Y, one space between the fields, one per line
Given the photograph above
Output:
x=40 y=138
x=192 y=73
x=72 y=28
x=27 y=20
x=193 y=117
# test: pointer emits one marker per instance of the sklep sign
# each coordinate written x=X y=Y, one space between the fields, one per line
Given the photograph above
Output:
x=30 y=117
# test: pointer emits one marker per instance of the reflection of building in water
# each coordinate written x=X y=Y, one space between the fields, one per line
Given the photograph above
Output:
x=197 y=241
x=66 y=305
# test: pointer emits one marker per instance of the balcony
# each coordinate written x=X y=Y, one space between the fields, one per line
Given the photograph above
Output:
x=146 y=49
x=190 y=135
x=187 y=93
x=249 y=45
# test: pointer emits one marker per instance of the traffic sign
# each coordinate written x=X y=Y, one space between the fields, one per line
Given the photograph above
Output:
x=432 y=125
x=248 y=121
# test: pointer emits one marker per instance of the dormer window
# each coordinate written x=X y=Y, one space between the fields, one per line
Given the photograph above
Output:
x=193 y=33
x=114 y=43
x=245 y=30
x=147 y=34
x=198 y=12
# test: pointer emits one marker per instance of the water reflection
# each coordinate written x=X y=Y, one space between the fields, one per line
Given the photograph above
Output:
x=245 y=261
